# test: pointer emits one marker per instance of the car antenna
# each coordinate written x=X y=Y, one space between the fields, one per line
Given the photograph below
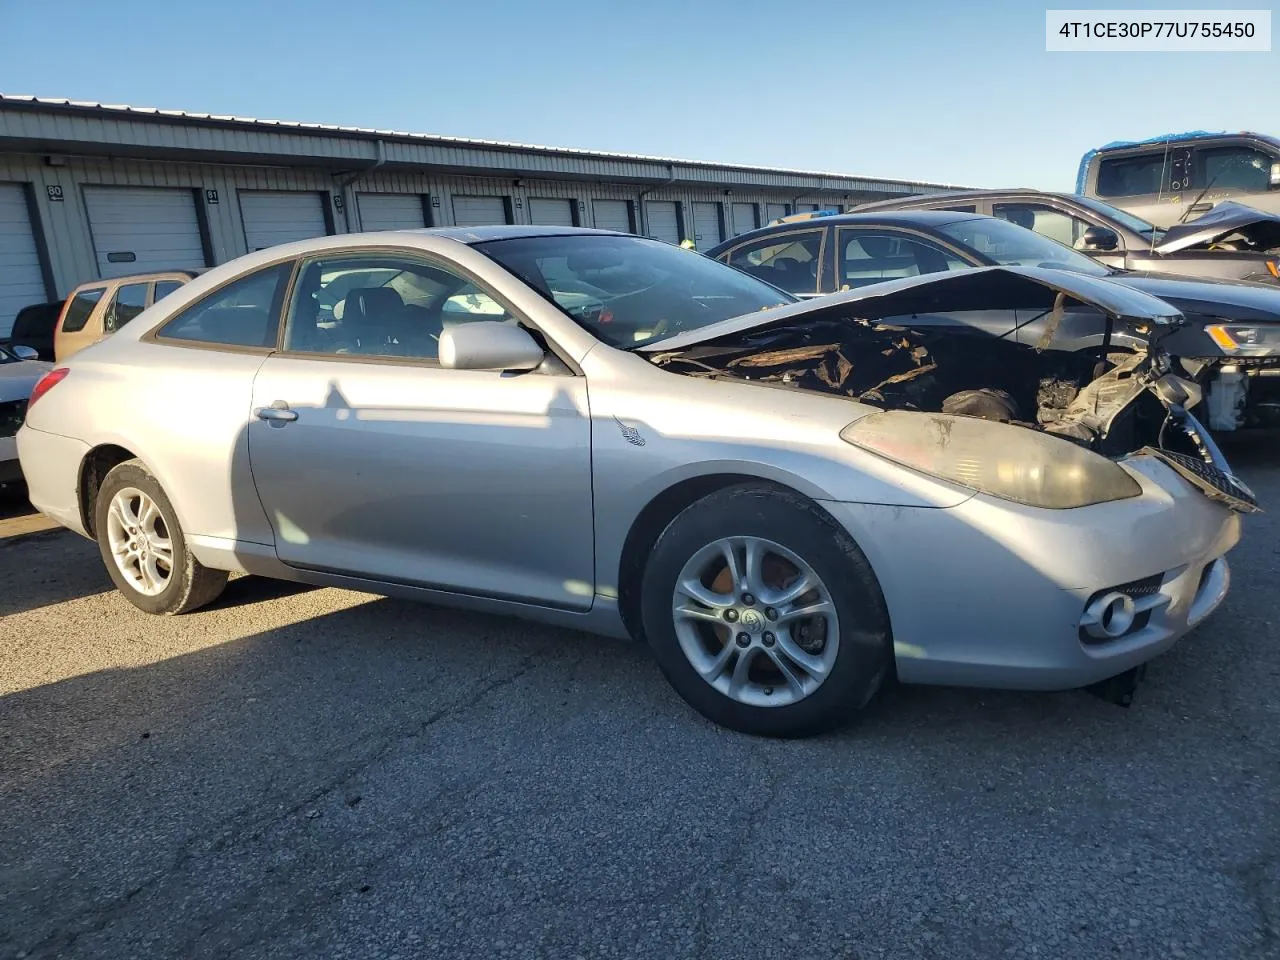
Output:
x=1164 y=162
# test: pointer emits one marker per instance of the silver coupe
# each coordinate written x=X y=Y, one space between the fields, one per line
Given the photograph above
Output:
x=789 y=502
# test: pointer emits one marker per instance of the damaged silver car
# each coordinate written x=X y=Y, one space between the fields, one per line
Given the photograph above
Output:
x=789 y=502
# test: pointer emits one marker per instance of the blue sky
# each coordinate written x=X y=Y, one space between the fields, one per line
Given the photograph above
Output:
x=944 y=91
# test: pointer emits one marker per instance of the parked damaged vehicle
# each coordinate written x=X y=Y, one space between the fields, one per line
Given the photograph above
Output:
x=790 y=502
x=1230 y=343
x=1175 y=177
x=1232 y=242
x=20 y=370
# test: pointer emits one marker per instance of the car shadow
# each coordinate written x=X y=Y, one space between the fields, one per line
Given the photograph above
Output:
x=218 y=797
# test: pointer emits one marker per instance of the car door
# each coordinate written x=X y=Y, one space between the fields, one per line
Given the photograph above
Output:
x=1242 y=171
x=1153 y=184
x=372 y=460
x=875 y=254
x=129 y=300
x=1059 y=223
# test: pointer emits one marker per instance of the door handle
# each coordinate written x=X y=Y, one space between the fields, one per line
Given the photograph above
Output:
x=278 y=412
x=1197 y=207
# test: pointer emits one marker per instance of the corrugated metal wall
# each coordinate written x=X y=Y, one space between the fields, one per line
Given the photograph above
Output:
x=64 y=224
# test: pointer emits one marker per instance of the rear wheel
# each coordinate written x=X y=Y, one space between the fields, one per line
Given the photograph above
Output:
x=143 y=546
x=764 y=614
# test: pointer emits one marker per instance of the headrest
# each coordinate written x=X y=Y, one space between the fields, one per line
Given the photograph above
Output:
x=371 y=305
x=877 y=248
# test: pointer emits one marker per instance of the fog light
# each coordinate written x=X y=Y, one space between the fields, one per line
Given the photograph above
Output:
x=1112 y=616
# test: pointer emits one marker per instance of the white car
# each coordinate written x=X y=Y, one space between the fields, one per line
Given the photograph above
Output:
x=19 y=372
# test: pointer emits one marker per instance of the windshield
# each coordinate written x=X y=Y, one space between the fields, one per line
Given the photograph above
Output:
x=1122 y=217
x=627 y=291
x=1009 y=245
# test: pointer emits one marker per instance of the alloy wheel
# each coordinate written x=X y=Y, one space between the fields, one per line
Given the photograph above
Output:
x=755 y=621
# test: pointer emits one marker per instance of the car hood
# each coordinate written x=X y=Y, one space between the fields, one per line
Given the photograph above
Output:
x=981 y=288
x=1262 y=229
x=1225 y=299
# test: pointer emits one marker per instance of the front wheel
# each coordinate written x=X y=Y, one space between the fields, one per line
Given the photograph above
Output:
x=143 y=546
x=763 y=613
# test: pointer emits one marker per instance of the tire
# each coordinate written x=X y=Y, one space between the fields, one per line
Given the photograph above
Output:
x=790 y=533
x=188 y=584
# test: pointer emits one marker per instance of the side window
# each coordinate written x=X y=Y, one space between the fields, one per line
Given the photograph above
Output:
x=867 y=257
x=789 y=261
x=471 y=303
x=1132 y=176
x=963 y=208
x=1046 y=221
x=164 y=288
x=381 y=306
x=1242 y=168
x=245 y=313
x=129 y=301
x=79 y=309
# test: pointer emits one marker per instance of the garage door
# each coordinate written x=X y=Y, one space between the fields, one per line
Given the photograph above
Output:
x=664 y=224
x=391 y=211
x=479 y=211
x=140 y=229
x=21 y=282
x=773 y=211
x=612 y=215
x=706 y=226
x=551 y=213
x=272 y=217
x=744 y=218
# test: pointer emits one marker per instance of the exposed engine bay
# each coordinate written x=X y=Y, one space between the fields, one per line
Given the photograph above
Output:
x=1078 y=396
x=1114 y=403
x=1114 y=400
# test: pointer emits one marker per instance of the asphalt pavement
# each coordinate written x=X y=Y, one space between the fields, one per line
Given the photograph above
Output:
x=318 y=773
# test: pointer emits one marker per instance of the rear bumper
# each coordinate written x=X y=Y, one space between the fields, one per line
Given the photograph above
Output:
x=51 y=465
x=994 y=594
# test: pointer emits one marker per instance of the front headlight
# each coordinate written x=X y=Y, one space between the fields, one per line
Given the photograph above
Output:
x=1013 y=463
x=1246 y=339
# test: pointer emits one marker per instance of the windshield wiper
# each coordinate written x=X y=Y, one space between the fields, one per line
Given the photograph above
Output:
x=1196 y=201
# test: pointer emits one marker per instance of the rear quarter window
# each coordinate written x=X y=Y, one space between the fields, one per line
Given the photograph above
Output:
x=244 y=313
x=80 y=308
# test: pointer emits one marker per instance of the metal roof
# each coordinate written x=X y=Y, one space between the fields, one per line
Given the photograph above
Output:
x=126 y=112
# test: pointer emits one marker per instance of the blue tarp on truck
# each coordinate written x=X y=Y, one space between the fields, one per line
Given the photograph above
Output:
x=1164 y=137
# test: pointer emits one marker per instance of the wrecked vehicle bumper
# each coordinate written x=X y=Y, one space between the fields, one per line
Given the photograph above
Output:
x=1055 y=571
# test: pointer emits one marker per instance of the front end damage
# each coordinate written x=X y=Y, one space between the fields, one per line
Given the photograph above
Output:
x=864 y=346
x=1036 y=429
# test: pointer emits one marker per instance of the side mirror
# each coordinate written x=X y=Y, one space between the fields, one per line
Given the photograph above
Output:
x=488 y=345
x=23 y=352
x=1100 y=238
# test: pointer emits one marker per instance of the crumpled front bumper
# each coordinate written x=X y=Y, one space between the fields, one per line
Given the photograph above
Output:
x=992 y=593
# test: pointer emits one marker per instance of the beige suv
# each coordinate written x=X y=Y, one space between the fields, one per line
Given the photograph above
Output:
x=99 y=308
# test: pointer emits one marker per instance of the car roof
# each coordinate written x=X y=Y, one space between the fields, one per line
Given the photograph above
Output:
x=890 y=218
x=143 y=277
x=955 y=195
x=1194 y=137
x=472 y=235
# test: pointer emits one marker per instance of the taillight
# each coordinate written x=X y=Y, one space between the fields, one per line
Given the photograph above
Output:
x=47 y=383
